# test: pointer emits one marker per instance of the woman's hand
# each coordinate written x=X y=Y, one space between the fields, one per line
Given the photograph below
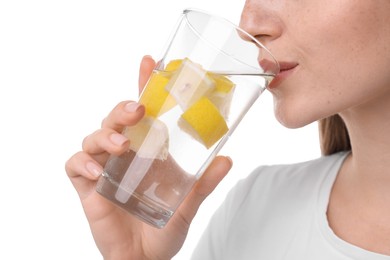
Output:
x=118 y=234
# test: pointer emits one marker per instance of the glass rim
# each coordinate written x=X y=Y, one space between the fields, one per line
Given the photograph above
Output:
x=233 y=25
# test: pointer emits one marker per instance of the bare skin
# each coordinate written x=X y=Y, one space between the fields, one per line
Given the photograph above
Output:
x=359 y=211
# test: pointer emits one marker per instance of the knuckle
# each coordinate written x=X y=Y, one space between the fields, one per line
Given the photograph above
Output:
x=84 y=143
x=72 y=161
x=103 y=123
x=91 y=138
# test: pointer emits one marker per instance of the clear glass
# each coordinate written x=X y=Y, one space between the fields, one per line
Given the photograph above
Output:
x=209 y=76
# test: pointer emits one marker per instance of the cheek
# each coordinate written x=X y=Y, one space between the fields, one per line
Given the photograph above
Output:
x=310 y=95
x=346 y=64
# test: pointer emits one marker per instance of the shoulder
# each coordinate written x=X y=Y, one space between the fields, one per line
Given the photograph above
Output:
x=255 y=210
x=289 y=174
x=292 y=183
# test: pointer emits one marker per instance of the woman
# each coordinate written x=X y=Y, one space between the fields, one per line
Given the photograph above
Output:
x=335 y=60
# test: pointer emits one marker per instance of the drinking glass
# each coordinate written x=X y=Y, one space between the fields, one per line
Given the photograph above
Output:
x=209 y=75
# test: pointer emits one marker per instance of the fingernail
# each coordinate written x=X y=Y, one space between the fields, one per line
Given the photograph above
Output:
x=132 y=107
x=94 y=169
x=118 y=139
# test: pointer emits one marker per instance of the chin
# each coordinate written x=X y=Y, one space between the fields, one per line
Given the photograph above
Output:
x=291 y=124
x=294 y=119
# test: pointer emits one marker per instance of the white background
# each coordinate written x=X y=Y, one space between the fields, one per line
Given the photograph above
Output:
x=63 y=66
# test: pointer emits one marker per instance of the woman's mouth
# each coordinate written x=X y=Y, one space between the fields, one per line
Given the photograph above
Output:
x=286 y=68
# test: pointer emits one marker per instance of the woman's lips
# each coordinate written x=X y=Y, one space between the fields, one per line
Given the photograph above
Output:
x=286 y=68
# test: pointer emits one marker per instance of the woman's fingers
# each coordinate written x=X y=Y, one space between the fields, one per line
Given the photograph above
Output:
x=146 y=68
x=129 y=112
x=83 y=171
x=206 y=184
x=82 y=164
x=105 y=140
x=86 y=166
x=124 y=114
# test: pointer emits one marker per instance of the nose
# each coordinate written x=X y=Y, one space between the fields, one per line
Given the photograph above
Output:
x=261 y=21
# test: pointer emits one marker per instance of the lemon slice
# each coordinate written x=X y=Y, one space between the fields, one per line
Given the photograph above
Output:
x=155 y=98
x=173 y=65
x=203 y=122
x=222 y=94
x=189 y=83
x=149 y=138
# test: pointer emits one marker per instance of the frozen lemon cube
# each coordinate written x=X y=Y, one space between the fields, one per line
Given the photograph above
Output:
x=155 y=97
x=203 y=122
x=189 y=83
x=222 y=94
x=149 y=138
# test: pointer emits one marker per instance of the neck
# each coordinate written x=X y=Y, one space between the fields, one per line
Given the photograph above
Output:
x=358 y=209
x=369 y=127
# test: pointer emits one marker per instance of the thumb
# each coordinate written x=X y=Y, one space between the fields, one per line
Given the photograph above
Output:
x=214 y=174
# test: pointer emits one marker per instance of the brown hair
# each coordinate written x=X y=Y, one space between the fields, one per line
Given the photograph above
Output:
x=334 y=135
